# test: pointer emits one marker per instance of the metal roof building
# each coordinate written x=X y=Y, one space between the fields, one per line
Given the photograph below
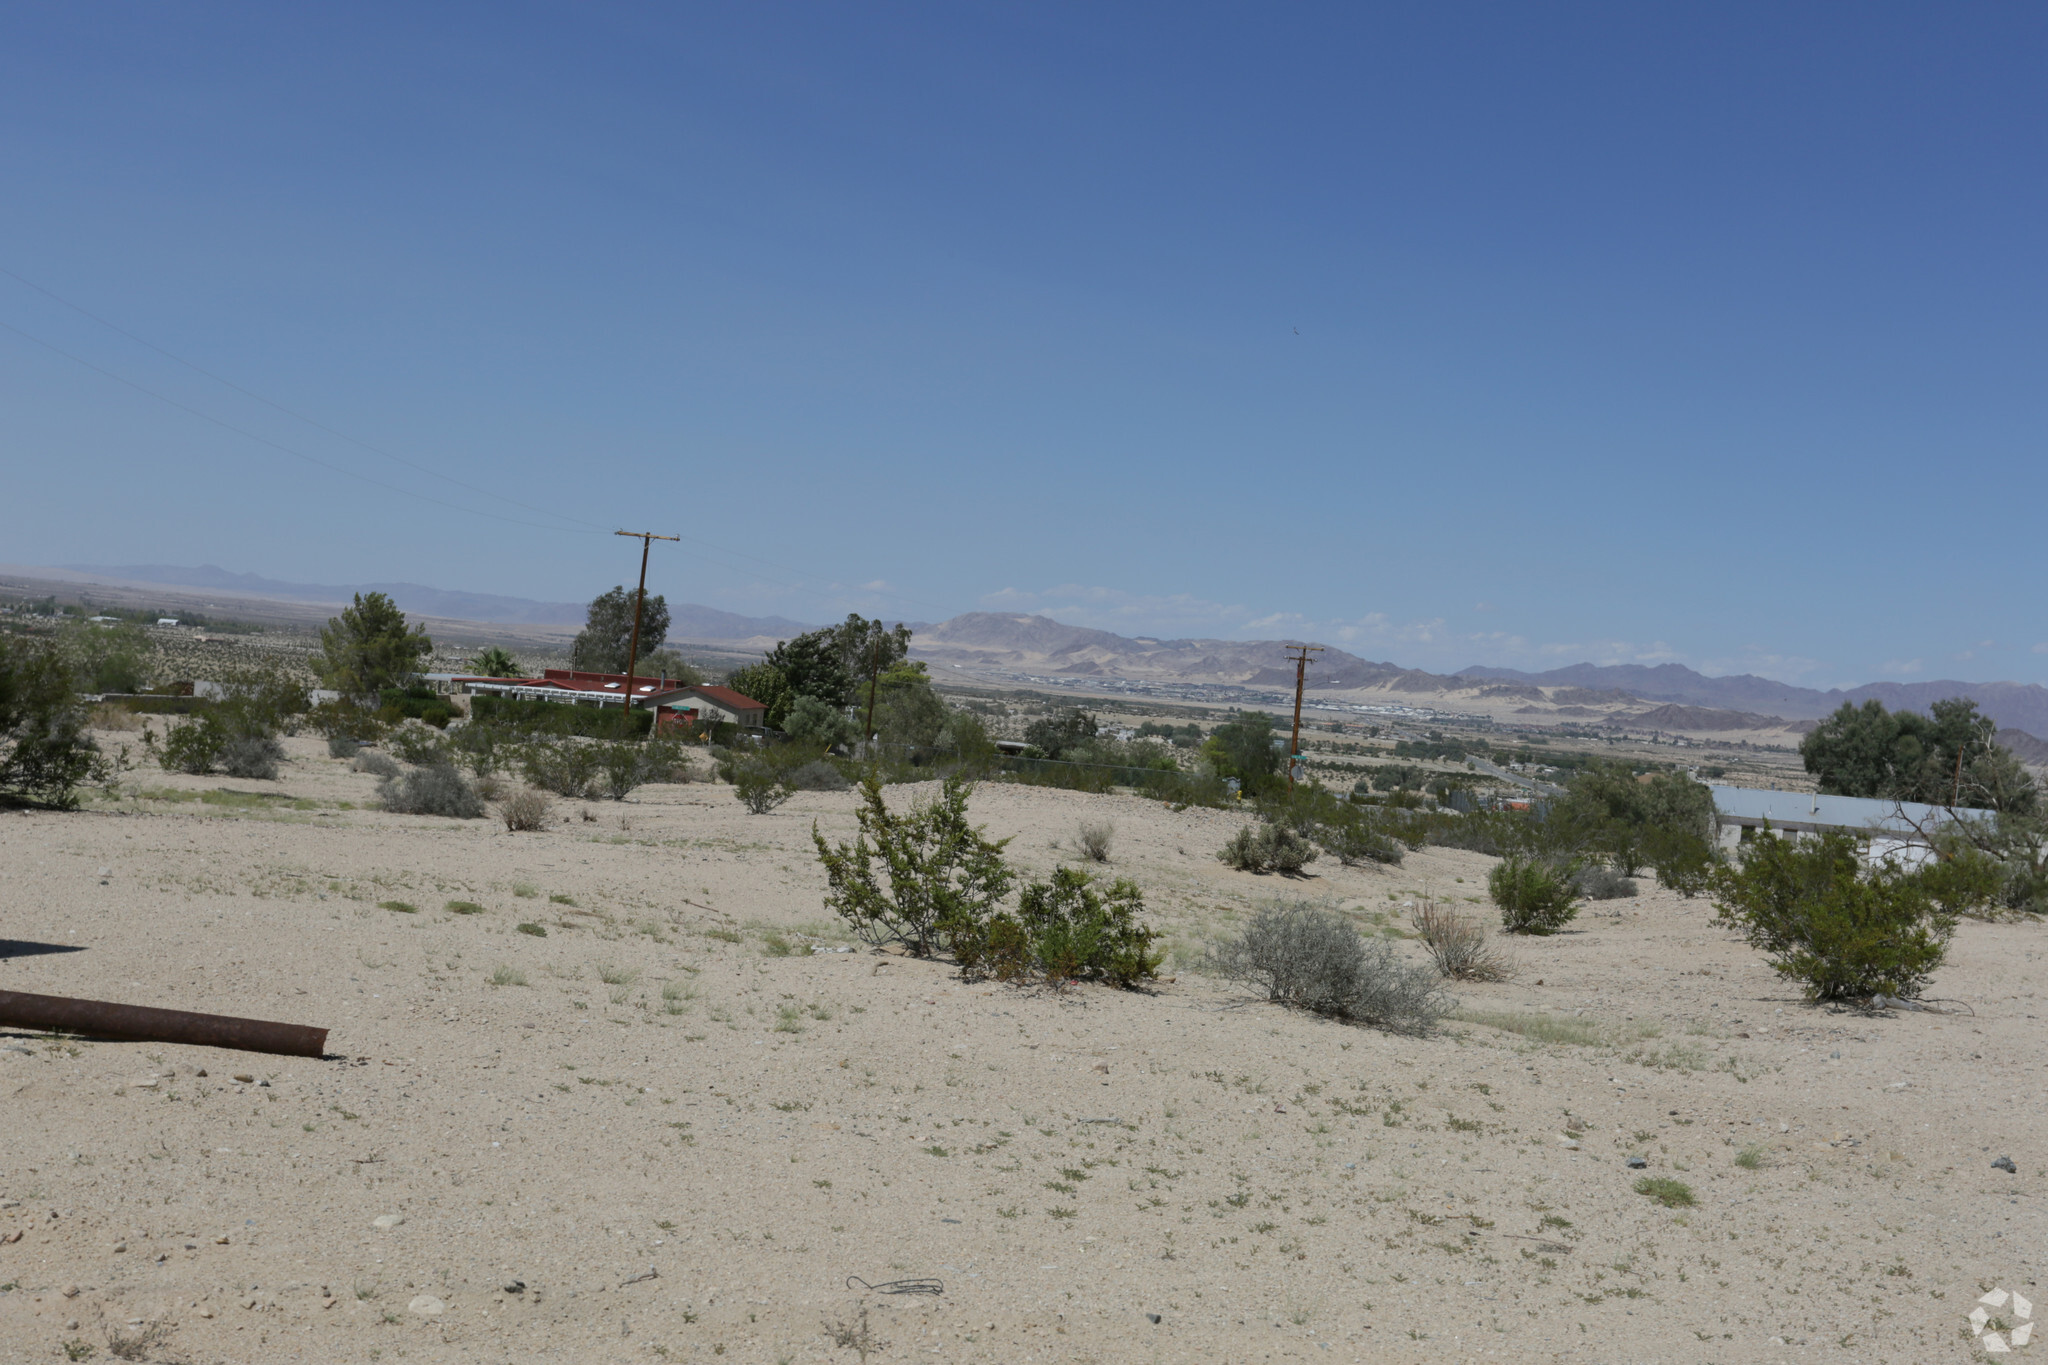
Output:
x=1811 y=813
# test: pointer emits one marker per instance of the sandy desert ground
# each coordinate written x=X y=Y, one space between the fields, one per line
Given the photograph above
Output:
x=646 y=1136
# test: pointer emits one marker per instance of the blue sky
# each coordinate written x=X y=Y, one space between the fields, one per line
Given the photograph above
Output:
x=1449 y=334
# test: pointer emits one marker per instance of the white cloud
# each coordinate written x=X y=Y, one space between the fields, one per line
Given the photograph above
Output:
x=1901 y=666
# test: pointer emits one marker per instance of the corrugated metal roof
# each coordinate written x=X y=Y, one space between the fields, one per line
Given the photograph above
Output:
x=1808 y=811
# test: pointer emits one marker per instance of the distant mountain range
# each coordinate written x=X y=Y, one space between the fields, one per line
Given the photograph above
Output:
x=1682 y=699
x=1679 y=698
x=686 y=620
x=2020 y=706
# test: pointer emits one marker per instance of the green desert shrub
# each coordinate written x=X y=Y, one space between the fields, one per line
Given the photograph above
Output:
x=1316 y=960
x=1352 y=840
x=1267 y=848
x=1847 y=932
x=760 y=784
x=1535 y=895
x=559 y=764
x=1070 y=928
x=45 y=750
x=625 y=765
x=937 y=874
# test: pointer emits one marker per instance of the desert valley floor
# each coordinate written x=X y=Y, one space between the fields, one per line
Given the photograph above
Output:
x=667 y=1130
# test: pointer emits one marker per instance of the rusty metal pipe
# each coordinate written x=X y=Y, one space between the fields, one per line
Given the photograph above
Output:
x=143 y=1024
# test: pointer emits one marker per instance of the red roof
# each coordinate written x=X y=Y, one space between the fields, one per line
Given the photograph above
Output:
x=726 y=697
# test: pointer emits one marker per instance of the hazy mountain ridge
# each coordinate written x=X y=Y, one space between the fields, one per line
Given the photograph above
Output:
x=2018 y=706
x=686 y=620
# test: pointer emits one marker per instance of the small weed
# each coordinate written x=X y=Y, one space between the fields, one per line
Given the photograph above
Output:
x=1063 y=1213
x=616 y=976
x=463 y=908
x=402 y=907
x=507 y=976
x=1672 y=1194
x=559 y=899
x=723 y=935
x=1750 y=1158
x=533 y=929
x=789 y=1019
x=526 y=891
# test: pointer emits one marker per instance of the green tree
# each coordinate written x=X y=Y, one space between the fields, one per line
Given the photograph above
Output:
x=867 y=647
x=495 y=662
x=1662 y=819
x=45 y=752
x=369 y=647
x=607 y=634
x=764 y=683
x=1946 y=757
x=810 y=721
x=1242 y=747
x=810 y=666
x=907 y=710
x=1055 y=736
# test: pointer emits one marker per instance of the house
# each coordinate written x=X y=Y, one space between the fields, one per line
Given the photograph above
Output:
x=1896 y=830
x=672 y=701
x=707 y=703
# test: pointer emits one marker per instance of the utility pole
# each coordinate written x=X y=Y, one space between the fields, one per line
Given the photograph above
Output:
x=867 y=734
x=646 y=539
x=1301 y=663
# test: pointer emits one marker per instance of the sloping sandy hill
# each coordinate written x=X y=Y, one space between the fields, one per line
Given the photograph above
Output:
x=649 y=1088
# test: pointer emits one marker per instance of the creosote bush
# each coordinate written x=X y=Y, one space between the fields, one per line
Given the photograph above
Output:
x=1458 y=945
x=942 y=874
x=760 y=785
x=45 y=752
x=1070 y=928
x=1352 y=841
x=1535 y=896
x=1313 y=959
x=560 y=765
x=1823 y=919
x=525 y=810
x=437 y=790
x=1267 y=848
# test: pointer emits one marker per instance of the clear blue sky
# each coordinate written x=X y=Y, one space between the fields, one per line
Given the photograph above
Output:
x=1515 y=334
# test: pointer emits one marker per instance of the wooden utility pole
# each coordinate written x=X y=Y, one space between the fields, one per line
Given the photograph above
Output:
x=1301 y=663
x=646 y=539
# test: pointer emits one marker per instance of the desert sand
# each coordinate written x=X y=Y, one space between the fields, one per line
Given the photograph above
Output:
x=647 y=1136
